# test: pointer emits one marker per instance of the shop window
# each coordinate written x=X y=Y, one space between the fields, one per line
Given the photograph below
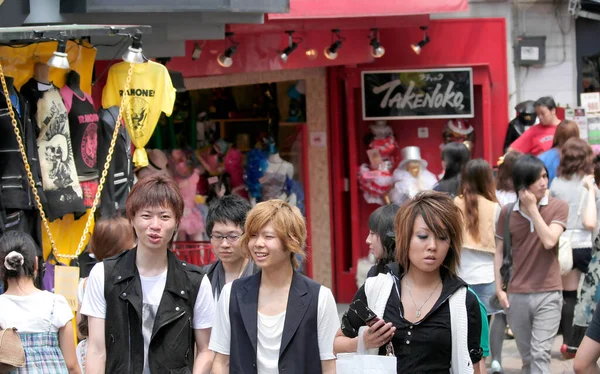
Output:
x=245 y=140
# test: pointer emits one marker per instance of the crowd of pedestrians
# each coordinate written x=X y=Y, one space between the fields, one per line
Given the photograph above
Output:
x=456 y=268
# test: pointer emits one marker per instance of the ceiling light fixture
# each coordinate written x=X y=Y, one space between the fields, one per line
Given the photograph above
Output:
x=331 y=51
x=292 y=45
x=134 y=55
x=59 y=58
x=197 y=51
x=377 y=50
x=419 y=46
x=224 y=58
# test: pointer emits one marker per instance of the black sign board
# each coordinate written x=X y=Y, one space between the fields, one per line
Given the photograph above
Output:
x=410 y=94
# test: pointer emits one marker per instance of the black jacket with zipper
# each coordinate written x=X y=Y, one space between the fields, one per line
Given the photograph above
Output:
x=171 y=349
x=14 y=184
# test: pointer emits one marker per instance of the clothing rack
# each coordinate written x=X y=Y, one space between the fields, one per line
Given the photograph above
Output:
x=33 y=34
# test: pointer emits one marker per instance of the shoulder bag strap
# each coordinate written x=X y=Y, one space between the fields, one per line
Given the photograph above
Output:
x=507 y=244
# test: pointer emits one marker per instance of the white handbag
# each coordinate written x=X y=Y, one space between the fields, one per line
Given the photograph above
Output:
x=565 y=250
x=350 y=363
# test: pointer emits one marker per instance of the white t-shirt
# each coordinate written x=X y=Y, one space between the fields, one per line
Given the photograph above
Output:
x=32 y=313
x=477 y=267
x=94 y=303
x=270 y=331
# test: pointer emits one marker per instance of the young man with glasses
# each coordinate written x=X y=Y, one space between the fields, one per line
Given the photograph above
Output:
x=225 y=225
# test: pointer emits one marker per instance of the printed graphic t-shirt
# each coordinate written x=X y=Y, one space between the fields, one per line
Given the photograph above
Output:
x=59 y=175
x=150 y=93
x=535 y=140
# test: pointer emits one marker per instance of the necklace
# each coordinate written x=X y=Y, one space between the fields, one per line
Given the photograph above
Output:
x=418 y=310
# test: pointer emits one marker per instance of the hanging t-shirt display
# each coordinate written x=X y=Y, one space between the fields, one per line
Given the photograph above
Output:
x=59 y=175
x=83 y=125
x=150 y=93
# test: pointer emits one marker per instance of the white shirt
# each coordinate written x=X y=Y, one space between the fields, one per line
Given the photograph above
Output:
x=270 y=331
x=32 y=313
x=506 y=197
x=94 y=303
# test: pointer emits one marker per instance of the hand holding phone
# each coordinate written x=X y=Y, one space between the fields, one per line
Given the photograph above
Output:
x=379 y=332
x=363 y=312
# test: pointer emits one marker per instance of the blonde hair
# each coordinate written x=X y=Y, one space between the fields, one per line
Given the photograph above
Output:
x=287 y=221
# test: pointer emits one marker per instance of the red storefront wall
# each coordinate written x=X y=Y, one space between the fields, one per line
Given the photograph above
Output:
x=476 y=43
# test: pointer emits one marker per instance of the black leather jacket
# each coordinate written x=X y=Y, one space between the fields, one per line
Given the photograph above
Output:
x=14 y=185
x=172 y=344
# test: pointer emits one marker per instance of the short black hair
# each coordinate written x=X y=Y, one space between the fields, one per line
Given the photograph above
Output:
x=23 y=244
x=381 y=222
x=229 y=208
x=546 y=101
x=527 y=171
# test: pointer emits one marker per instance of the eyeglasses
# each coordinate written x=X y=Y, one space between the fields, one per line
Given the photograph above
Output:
x=231 y=238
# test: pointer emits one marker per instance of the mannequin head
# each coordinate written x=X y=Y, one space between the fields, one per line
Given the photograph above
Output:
x=414 y=168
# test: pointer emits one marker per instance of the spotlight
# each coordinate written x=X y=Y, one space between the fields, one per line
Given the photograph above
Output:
x=311 y=54
x=197 y=51
x=224 y=58
x=331 y=51
x=377 y=51
x=134 y=55
x=419 y=46
x=59 y=57
x=290 y=48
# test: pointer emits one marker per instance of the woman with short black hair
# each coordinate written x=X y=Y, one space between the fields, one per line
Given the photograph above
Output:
x=382 y=238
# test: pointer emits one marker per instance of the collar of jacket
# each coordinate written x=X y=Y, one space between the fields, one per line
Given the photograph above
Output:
x=174 y=296
x=176 y=279
x=297 y=306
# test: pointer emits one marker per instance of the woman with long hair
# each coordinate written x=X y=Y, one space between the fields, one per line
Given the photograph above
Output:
x=454 y=157
x=477 y=201
x=43 y=319
x=576 y=161
x=506 y=194
x=505 y=190
x=551 y=158
x=382 y=238
x=423 y=298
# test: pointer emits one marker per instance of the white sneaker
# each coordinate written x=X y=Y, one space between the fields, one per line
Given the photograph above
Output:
x=496 y=367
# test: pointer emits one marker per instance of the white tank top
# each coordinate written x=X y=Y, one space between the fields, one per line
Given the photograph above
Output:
x=269 y=334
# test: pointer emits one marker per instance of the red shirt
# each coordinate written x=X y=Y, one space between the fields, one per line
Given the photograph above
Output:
x=536 y=140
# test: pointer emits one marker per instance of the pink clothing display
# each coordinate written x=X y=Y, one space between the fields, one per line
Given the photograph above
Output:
x=192 y=222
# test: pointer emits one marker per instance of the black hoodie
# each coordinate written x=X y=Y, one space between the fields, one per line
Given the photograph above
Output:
x=425 y=346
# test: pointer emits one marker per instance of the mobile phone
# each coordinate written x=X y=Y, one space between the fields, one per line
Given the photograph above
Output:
x=363 y=312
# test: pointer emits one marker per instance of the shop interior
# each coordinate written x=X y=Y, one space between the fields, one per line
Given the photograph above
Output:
x=246 y=140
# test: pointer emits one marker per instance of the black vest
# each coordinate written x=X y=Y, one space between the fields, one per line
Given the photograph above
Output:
x=299 y=351
x=172 y=344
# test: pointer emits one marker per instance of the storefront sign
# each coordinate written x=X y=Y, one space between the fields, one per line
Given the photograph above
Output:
x=410 y=94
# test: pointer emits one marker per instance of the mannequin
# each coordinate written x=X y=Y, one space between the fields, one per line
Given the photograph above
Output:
x=411 y=176
x=73 y=81
x=41 y=73
x=273 y=182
